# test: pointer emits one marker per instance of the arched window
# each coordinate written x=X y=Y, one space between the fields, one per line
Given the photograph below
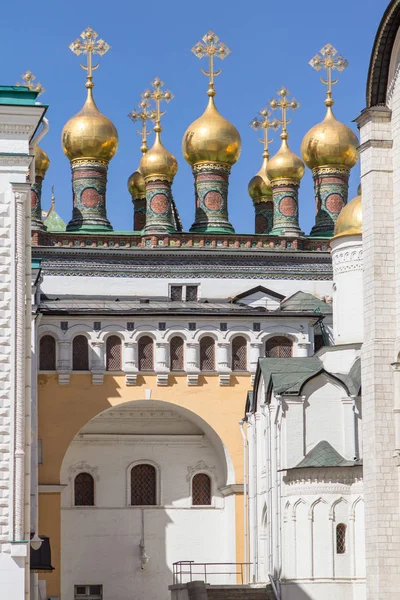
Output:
x=80 y=353
x=84 y=490
x=146 y=354
x=207 y=354
x=47 y=353
x=201 y=490
x=176 y=353
x=341 y=538
x=278 y=347
x=113 y=353
x=143 y=485
x=239 y=353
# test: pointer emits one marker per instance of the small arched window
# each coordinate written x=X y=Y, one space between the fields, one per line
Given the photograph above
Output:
x=146 y=354
x=47 y=353
x=84 y=490
x=201 y=490
x=80 y=353
x=278 y=347
x=239 y=353
x=341 y=538
x=113 y=353
x=207 y=354
x=143 y=485
x=176 y=354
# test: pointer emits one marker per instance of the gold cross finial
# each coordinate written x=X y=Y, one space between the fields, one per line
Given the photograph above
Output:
x=329 y=59
x=89 y=45
x=158 y=96
x=211 y=47
x=284 y=104
x=264 y=124
x=53 y=198
x=143 y=115
x=28 y=79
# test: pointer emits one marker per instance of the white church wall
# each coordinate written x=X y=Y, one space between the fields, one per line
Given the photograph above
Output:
x=208 y=287
x=323 y=413
x=173 y=531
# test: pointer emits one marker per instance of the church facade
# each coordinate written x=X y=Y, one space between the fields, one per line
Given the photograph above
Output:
x=208 y=396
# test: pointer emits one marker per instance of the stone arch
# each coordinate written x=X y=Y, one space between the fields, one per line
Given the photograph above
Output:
x=333 y=506
x=380 y=62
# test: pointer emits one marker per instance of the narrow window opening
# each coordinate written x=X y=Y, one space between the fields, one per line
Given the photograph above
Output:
x=84 y=490
x=239 y=353
x=143 y=485
x=80 y=353
x=278 y=347
x=207 y=354
x=201 y=490
x=47 y=353
x=113 y=353
x=341 y=538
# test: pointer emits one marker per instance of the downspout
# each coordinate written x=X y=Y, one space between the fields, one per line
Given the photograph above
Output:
x=276 y=500
x=40 y=135
x=245 y=510
x=267 y=486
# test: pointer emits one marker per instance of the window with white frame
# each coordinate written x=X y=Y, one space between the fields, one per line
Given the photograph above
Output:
x=143 y=485
x=88 y=592
x=80 y=353
x=113 y=353
x=239 y=353
x=47 y=353
x=341 y=530
x=183 y=293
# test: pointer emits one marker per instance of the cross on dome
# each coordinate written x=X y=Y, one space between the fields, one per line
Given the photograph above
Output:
x=210 y=46
x=326 y=60
x=265 y=124
x=284 y=104
x=89 y=45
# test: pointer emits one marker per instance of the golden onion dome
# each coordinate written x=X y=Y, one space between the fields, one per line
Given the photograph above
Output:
x=330 y=143
x=136 y=185
x=42 y=162
x=349 y=221
x=211 y=138
x=158 y=161
x=89 y=134
x=285 y=164
x=259 y=188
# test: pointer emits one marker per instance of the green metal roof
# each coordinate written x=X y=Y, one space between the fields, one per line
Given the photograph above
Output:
x=17 y=94
x=305 y=302
x=324 y=455
x=287 y=375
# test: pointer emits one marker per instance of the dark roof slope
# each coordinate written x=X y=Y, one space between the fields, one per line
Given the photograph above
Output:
x=305 y=302
x=324 y=455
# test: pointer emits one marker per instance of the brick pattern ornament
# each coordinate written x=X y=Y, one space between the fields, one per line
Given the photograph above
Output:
x=159 y=207
x=36 y=204
x=89 y=181
x=331 y=187
x=286 y=214
x=264 y=216
x=211 y=182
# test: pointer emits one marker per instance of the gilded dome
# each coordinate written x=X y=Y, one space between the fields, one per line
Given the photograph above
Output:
x=136 y=185
x=211 y=138
x=158 y=161
x=89 y=134
x=259 y=188
x=285 y=164
x=42 y=162
x=330 y=143
x=349 y=221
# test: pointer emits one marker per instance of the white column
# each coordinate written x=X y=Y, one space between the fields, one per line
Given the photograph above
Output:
x=254 y=355
x=192 y=356
x=64 y=355
x=302 y=349
x=223 y=362
x=130 y=355
x=162 y=355
x=98 y=356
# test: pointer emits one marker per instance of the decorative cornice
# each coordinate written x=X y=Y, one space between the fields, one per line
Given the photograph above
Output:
x=16 y=129
x=287 y=181
x=15 y=160
x=89 y=162
x=330 y=170
x=350 y=259
x=232 y=490
x=211 y=166
x=387 y=144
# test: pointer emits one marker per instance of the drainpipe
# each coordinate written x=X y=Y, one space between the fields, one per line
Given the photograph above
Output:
x=245 y=511
x=275 y=460
x=266 y=464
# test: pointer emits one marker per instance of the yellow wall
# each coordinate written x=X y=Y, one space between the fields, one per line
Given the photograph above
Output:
x=65 y=409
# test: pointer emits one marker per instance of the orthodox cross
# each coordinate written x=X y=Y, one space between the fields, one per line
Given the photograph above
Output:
x=143 y=115
x=28 y=79
x=89 y=45
x=264 y=124
x=158 y=95
x=284 y=104
x=329 y=59
x=211 y=47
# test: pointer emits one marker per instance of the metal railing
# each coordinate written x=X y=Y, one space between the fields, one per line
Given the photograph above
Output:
x=188 y=570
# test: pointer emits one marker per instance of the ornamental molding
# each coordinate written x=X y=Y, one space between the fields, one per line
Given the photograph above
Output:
x=89 y=162
x=347 y=260
x=16 y=129
x=211 y=166
x=275 y=183
x=330 y=171
x=82 y=467
x=14 y=160
x=200 y=467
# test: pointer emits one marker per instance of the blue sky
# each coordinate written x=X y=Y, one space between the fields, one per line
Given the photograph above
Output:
x=271 y=44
